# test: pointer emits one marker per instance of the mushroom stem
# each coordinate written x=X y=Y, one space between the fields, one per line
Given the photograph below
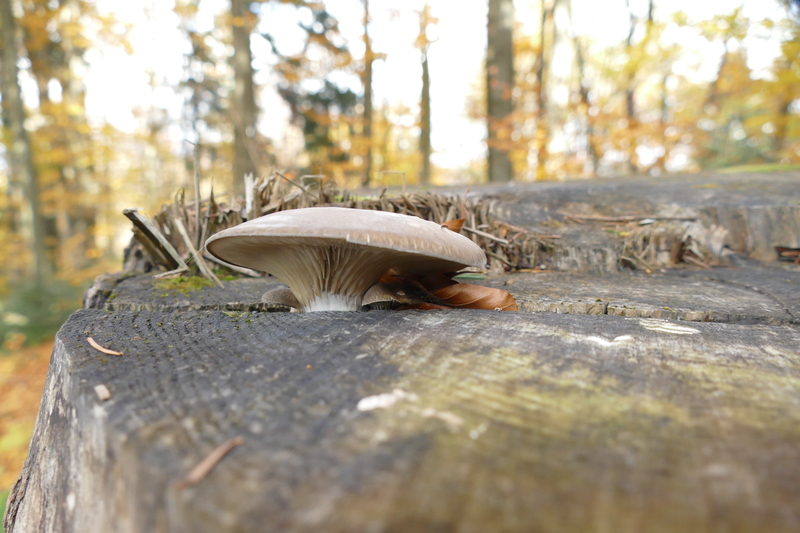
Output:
x=332 y=302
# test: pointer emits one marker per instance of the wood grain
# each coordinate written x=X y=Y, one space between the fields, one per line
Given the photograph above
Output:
x=507 y=422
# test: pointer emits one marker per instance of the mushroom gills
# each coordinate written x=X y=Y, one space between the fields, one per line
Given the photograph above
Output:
x=330 y=277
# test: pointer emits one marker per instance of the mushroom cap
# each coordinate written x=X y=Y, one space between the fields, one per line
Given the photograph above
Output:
x=421 y=246
x=340 y=250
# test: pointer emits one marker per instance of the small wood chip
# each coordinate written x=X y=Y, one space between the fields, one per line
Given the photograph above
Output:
x=102 y=392
x=99 y=348
x=206 y=465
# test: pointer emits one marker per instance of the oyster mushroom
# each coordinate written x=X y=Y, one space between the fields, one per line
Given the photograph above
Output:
x=330 y=256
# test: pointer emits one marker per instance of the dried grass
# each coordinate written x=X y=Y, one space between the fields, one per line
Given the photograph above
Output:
x=507 y=247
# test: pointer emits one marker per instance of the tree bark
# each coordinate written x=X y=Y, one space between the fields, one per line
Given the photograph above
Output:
x=591 y=141
x=18 y=143
x=542 y=137
x=243 y=103
x=781 y=126
x=425 y=111
x=499 y=87
x=366 y=79
x=79 y=215
x=630 y=98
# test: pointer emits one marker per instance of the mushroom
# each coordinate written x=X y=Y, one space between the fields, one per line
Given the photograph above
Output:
x=383 y=296
x=330 y=256
x=280 y=296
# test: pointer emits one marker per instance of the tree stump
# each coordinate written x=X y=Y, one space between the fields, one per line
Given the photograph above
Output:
x=622 y=402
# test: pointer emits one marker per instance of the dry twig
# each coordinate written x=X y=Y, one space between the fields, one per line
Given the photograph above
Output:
x=93 y=344
x=205 y=466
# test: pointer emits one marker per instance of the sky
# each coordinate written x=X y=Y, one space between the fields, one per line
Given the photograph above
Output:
x=118 y=83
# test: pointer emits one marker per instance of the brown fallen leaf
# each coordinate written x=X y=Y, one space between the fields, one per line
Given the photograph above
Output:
x=206 y=465
x=466 y=296
x=454 y=225
x=788 y=254
x=435 y=291
x=93 y=344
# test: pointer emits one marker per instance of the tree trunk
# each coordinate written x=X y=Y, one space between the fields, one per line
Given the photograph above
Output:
x=366 y=79
x=386 y=147
x=781 y=126
x=630 y=98
x=591 y=141
x=425 y=133
x=499 y=87
x=542 y=137
x=243 y=104
x=20 y=156
x=77 y=174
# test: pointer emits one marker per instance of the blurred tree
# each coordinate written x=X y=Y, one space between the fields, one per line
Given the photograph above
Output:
x=397 y=145
x=584 y=103
x=426 y=24
x=499 y=88
x=17 y=142
x=547 y=40
x=55 y=36
x=726 y=128
x=785 y=124
x=326 y=112
x=243 y=109
x=207 y=88
x=366 y=81
x=635 y=57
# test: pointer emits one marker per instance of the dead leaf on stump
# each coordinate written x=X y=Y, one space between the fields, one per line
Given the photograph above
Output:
x=788 y=254
x=466 y=296
x=438 y=291
x=454 y=225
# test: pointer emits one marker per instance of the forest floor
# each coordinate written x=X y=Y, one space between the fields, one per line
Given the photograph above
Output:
x=22 y=375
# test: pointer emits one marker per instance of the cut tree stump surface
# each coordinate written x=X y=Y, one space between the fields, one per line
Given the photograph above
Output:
x=754 y=293
x=758 y=210
x=625 y=402
x=143 y=292
x=416 y=421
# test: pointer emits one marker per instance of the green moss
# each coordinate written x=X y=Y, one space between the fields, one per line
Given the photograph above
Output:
x=183 y=285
